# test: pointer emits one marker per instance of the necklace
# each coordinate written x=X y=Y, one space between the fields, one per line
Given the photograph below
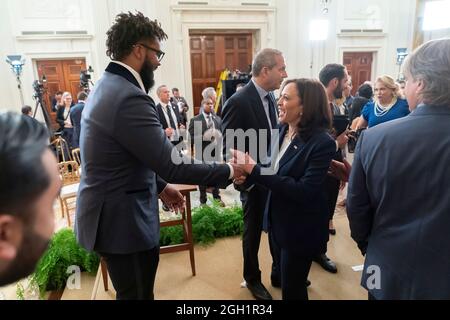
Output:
x=381 y=111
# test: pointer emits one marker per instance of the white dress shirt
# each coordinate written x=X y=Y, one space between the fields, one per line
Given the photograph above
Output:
x=172 y=115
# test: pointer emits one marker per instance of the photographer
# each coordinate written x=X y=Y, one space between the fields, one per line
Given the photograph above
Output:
x=56 y=101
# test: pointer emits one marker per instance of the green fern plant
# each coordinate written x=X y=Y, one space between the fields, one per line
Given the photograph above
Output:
x=208 y=223
x=63 y=252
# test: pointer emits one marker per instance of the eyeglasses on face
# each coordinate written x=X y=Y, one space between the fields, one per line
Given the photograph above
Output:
x=159 y=54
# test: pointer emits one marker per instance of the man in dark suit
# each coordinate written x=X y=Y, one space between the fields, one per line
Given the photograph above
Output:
x=56 y=100
x=125 y=155
x=75 y=117
x=254 y=108
x=169 y=115
x=182 y=104
x=204 y=133
x=398 y=197
x=334 y=77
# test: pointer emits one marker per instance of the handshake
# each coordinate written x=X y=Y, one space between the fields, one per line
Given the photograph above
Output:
x=243 y=166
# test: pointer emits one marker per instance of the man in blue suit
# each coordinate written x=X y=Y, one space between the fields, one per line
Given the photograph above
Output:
x=398 y=197
x=254 y=108
x=125 y=155
x=75 y=117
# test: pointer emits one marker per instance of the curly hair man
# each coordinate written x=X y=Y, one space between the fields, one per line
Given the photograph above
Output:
x=125 y=154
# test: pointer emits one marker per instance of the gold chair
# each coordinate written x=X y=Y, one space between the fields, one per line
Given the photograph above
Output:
x=70 y=176
x=62 y=149
x=76 y=156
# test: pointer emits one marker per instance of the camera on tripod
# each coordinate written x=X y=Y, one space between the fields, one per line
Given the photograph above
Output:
x=39 y=89
x=85 y=78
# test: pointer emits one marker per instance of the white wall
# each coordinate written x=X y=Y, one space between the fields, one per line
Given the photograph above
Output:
x=8 y=87
x=283 y=24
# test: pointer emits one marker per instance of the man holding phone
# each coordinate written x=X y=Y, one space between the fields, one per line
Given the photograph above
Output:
x=334 y=77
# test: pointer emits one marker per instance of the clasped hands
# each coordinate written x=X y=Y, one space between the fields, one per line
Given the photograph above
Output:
x=242 y=164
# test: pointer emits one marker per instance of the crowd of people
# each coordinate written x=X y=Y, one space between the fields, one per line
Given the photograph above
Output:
x=289 y=177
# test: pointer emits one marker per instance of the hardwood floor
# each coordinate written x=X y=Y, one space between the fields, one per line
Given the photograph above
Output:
x=219 y=273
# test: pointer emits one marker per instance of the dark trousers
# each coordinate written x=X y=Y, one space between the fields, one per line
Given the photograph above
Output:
x=332 y=185
x=67 y=135
x=253 y=203
x=294 y=273
x=371 y=297
x=133 y=275
x=215 y=193
x=275 y=251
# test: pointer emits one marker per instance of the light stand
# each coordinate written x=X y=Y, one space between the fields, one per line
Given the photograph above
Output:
x=17 y=62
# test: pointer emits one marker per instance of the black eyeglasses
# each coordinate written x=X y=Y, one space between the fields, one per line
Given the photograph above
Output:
x=159 y=54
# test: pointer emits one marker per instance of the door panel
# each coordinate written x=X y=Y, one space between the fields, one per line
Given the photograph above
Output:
x=211 y=54
x=61 y=75
x=359 y=66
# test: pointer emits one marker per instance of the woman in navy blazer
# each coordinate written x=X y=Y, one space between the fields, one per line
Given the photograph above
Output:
x=296 y=210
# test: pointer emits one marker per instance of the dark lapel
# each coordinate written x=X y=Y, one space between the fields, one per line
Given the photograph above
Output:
x=117 y=69
x=257 y=106
x=216 y=122
x=174 y=107
x=162 y=118
x=294 y=148
x=201 y=117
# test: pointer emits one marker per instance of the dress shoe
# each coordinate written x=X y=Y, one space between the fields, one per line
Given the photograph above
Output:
x=326 y=263
x=259 y=291
x=277 y=283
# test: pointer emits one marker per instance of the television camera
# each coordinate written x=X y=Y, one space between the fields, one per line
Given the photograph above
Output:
x=85 y=79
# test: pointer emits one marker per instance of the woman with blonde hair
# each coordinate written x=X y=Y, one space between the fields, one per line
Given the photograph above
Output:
x=388 y=104
x=63 y=118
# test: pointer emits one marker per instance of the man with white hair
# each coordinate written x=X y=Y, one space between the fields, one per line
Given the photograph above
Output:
x=398 y=203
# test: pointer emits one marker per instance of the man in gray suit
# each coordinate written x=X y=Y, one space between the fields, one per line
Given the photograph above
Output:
x=124 y=149
x=398 y=197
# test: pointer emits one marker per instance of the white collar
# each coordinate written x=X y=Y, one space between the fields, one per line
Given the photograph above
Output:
x=134 y=73
x=205 y=115
x=262 y=92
